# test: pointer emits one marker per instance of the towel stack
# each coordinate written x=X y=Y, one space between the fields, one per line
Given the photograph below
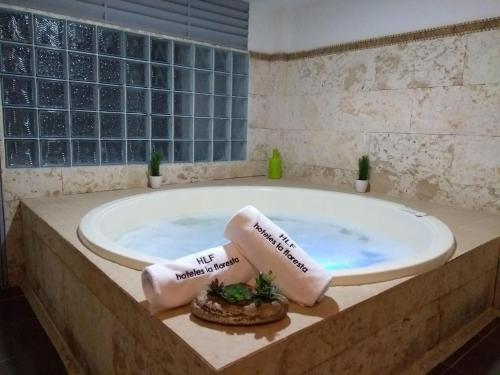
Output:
x=257 y=245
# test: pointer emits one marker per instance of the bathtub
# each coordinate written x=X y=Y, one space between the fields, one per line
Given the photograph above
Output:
x=430 y=240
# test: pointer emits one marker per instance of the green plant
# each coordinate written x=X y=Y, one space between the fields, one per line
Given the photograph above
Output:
x=237 y=293
x=364 y=167
x=154 y=163
x=265 y=290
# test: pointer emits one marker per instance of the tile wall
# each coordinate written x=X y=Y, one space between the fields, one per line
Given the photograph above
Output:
x=79 y=94
x=427 y=113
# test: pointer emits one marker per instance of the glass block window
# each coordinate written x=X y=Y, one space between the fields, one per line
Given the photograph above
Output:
x=77 y=94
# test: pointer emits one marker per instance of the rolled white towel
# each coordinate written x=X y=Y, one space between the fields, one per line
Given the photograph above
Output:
x=268 y=247
x=175 y=283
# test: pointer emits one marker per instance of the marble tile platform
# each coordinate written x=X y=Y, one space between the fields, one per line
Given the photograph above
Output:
x=100 y=311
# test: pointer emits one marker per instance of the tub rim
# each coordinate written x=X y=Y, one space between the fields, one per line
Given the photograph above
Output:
x=443 y=238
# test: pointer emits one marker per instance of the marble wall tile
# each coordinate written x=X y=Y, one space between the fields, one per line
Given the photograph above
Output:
x=474 y=197
x=476 y=161
x=182 y=173
x=335 y=149
x=296 y=171
x=261 y=142
x=371 y=111
x=31 y=183
x=349 y=71
x=374 y=356
x=279 y=113
x=385 y=180
x=440 y=189
x=19 y=184
x=303 y=112
x=129 y=356
x=137 y=176
x=258 y=111
x=259 y=77
x=465 y=268
x=468 y=301
x=78 y=180
x=295 y=146
x=465 y=110
x=306 y=76
x=327 y=110
x=429 y=63
x=482 y=61
x=77 y=314
x=321 y=175
x=278 y=78
x=428 y=187
x=376 y=111
x=412 y=153
x=244 y=169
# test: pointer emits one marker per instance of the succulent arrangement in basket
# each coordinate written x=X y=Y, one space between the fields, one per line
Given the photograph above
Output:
x=241 y=304
x=264 y=290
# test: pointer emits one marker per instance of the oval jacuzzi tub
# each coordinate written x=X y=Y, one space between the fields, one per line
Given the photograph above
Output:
x=360 y=239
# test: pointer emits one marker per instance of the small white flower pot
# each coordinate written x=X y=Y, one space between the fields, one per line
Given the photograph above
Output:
x=361 y=186
x=154 y=182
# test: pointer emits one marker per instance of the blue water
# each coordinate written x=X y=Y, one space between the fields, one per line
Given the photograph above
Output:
x=332 y=244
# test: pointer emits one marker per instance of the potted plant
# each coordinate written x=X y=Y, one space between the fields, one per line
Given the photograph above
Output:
x=364 y=170
x=154 y=170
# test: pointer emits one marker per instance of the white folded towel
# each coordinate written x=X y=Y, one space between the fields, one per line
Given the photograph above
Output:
x=268 y=247
x=175 y=283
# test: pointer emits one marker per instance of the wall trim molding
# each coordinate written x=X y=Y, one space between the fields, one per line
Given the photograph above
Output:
x=412 y=36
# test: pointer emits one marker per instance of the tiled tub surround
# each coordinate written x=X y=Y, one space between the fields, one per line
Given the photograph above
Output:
x=426 y=112
x=216 y=133
x=100 y=311
x=79 y=94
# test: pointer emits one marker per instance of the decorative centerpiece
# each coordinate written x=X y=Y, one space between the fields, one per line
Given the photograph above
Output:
x=154 y=170
x=241 y=304
x=361 y=184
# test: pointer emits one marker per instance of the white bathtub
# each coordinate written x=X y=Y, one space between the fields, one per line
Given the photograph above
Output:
x=431 y=241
